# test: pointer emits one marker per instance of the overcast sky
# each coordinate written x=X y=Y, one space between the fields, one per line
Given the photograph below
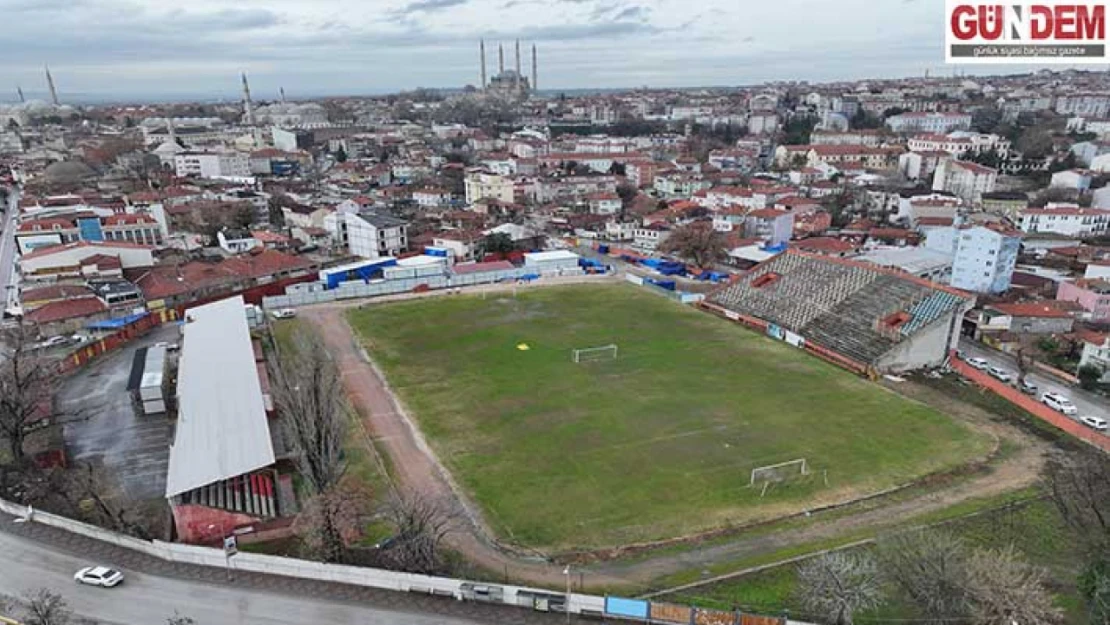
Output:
x=316 y=47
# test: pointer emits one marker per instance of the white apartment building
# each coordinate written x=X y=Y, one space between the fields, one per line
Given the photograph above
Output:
x=937 y=123
x=1084 y=104
x=213 y=164
x=367 y=234
x=983 y=258
x=964 y=179
x=959 y=142
x=481 y=185
x=1066 y=219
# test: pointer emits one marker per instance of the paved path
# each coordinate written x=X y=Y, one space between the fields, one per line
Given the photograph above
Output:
x=417 y=469
x=33 y=556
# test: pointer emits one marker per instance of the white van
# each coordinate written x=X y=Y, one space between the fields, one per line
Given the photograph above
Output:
x=1059 y=403
x=1095 y=423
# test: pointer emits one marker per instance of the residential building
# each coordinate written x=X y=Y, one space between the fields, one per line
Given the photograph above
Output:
x=1092 y=295
x=1095 y=105
x=367 y=234
x=1030 y=318
x=936 y=123
x=1066 y=219
x=481 y=184
x=771 y=226
x=604 y=203
x=1096 y=353
x=983 y=258
x=964 y=179
x=1075 y=179
x=648 y=238
x=959 y=143
x=213 y=164
x=920 y=165
x=74 y=258
x=236 y=241
x=128 y=227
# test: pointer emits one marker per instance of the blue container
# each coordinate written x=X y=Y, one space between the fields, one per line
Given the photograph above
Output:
x=603 y=249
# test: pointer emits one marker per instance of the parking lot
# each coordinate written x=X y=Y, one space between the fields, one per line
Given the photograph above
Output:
x=133 y=447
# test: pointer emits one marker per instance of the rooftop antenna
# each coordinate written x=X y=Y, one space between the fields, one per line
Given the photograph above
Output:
x=50 y=84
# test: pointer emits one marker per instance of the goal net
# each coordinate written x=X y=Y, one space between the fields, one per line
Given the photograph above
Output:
x=779 y=472
x=591 y=354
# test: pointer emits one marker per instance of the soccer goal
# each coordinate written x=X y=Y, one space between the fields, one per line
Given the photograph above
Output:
x=591 y=354
x=779 y=472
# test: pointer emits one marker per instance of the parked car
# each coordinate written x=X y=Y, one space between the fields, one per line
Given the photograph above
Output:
x=285 y=313
x=54 y=341
x=1059 y=403
x=1027 y=387
x=98 y=576
x=1095 y=423
x=170 y=347
x=979 y=363
x=1000 y=374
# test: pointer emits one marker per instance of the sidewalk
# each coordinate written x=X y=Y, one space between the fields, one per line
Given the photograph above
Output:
x=132 y=561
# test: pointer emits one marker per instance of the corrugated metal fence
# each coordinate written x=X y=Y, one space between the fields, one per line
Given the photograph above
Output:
x=671 y=614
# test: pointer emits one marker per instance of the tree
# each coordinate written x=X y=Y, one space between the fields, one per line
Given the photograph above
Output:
x=798 y=129
x=95 y=496
x=837 y=585
x=1094 y=586
x=27 y=384
x=341 y=156
x=1079 y=485
x=421 y=524
x=1004 y=589
x=497 y=243
x=627 y=193
x=332 y=521
x=44 y=607
x=308 y=397
x=930 y=569
x=1089 y=377
x=698 y=242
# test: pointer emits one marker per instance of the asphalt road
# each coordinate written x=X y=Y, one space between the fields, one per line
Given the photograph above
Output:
x=145 y=599
x=1087 y=403
x=9 y=279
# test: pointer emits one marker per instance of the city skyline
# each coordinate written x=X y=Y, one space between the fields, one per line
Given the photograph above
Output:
x=155 y=50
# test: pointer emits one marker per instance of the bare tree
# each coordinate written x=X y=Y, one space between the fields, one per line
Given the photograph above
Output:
x=331 y=521
x=27 y=383
x=96 y=496
x=422 y=524
x=697 y=242
x=931 y=569
x=837 y=585
x=308 y=395
x=44 y=607
x=1079 y=485
x=1004 y=589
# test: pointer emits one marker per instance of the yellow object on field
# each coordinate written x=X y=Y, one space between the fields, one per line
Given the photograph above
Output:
x=523 y=347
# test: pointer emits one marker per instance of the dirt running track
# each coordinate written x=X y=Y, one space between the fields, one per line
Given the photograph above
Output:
x=416 y=469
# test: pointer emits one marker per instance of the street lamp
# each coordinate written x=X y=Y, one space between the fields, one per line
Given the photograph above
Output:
x=223 y=545
x=566 y=608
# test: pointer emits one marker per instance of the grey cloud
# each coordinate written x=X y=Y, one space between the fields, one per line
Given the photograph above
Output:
x=430 y=5
x=227 y=19
x=631 y=13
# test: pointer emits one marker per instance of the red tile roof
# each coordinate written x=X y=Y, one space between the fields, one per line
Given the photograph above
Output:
x=54 y=291
x=1048 y=310
x=67 y=309
x=105 y=245
x=824 y=245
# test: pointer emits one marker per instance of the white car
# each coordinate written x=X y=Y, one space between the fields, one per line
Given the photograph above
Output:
x=1059 y=403
x=1000 y=374
x=1095 y=423
x=98 y=576
x=978 y=363
x=285 y=313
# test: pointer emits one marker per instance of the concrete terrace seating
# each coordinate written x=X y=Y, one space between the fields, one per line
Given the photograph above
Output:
x=837 y=304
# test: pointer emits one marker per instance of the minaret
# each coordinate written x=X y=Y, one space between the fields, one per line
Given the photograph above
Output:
x=500 y=59
x=283 y=95
x=172 y=130
x=535 y=75
x=516 y=80
x=50 y=84
x=20 y=91
x=248 y=110
x=482 y=53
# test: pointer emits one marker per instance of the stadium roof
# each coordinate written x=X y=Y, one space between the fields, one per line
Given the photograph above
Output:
x=222 y=431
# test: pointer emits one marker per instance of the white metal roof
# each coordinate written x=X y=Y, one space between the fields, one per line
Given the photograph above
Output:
x=539 y=257
x=222 y=430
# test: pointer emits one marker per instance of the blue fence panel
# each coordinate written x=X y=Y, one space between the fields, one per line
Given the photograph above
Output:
x=629 y=608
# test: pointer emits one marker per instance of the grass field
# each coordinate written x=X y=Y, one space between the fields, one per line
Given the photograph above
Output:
x=656 y=444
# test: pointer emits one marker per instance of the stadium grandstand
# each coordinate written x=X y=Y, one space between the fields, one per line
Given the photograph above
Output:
x=860 y=316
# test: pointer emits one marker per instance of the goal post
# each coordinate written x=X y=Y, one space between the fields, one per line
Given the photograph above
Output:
x=779 y=472
x=590 y=354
